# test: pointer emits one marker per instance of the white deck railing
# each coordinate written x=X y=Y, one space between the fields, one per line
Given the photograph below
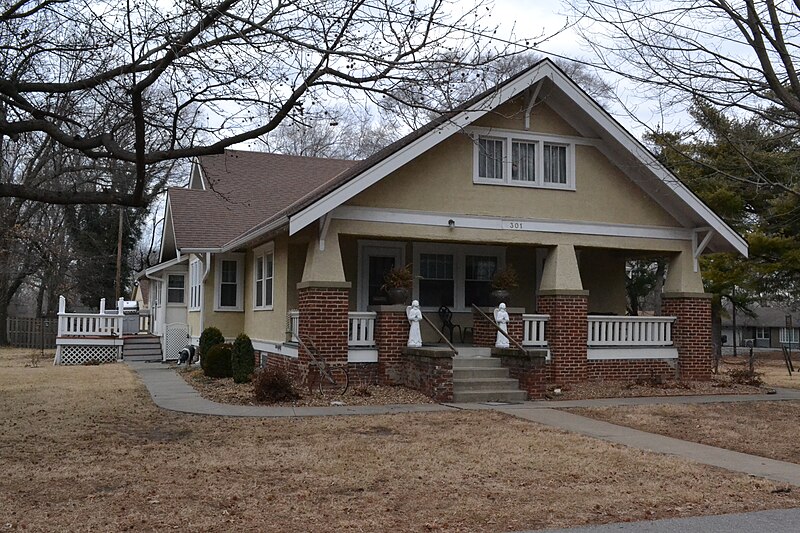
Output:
x=293 y=325
x=630 y=330
x=88 y=324
x=361 y=328
x=533 y=327
x=144 y=320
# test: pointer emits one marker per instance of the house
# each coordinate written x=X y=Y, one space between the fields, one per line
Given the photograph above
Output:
x=769 y=326
x=532 y=173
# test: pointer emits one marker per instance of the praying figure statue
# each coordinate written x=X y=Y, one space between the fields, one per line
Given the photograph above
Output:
x=502 y=319
x=414 y=316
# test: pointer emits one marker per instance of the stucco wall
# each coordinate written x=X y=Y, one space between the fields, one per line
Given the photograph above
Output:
x=441 y=180
x=230 y=323
x=268 y=324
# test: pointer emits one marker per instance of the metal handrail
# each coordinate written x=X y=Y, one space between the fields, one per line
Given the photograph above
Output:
x=505 y=334
x=441 y=335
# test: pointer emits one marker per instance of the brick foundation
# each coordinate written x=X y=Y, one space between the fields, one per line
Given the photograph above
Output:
x=483 y=333
x=323 y=319
x=629 y=369
x=529 y=369
x=290 y=365
x=429 y=373
x=566 y=335
x=691 y=333
x=391 y=336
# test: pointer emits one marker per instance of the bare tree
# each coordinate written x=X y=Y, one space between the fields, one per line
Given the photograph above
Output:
x=737 y=55
x=151 y=81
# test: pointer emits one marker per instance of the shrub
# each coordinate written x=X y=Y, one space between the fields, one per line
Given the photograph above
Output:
x=743 y=376
x=242 y=359
x=211 y=336
x=272 y=385
x=218 y=361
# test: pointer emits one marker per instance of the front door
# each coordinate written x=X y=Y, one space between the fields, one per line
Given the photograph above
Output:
x=376 y=261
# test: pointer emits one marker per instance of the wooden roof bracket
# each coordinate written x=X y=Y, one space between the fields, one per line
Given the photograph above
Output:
x=324 y=224
x=698 y=246
x=531 y=101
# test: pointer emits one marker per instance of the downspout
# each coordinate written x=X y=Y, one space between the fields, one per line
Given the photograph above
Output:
x=206 y=270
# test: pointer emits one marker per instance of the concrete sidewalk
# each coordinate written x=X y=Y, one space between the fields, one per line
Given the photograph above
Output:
x=778 y=521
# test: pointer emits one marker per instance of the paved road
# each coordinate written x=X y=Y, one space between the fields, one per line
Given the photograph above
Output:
x=781 y=521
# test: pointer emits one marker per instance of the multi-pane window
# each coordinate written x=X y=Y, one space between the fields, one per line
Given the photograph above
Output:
x=490 y=158
x=436 y=279
x=478 y=274
x=263 y=274
x=523 y=161
x=555 y=163
x=175 y=289
x=762 y=333
x=195 y=281
x=229 y=283
x=789 y=335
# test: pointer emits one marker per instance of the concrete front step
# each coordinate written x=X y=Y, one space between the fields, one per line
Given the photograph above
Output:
x=479 y=372
x=476 y=362
x=489 y=396
x=476 y=384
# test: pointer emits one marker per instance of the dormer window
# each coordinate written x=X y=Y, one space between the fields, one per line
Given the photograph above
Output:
x=522 y=159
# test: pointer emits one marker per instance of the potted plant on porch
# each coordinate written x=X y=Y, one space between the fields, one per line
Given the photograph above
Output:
x=503 y=282
x=397 y=284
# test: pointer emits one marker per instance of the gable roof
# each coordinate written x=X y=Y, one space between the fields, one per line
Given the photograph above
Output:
x=312 y=196
x=766 y=316
x=243 y=189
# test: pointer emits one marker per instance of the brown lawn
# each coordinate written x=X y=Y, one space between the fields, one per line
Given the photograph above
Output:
x=83 y=448
x=770 y=365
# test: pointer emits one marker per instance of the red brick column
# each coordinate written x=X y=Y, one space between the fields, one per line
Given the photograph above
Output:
x=484 y=334
x=323 y=318
x=691 y=332
x=391 y=336
x=566 y=333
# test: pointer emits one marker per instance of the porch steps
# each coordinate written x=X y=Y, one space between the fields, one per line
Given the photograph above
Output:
x=482 y=379
x=141 y=348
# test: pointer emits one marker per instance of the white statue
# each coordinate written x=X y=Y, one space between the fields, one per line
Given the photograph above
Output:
x=414 y=316
x=502 y=319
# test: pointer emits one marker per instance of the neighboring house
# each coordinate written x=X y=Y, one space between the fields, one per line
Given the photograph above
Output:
x=772 y=326
x=532 y=173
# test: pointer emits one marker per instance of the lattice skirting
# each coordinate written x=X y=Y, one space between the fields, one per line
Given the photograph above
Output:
x=82 y=354
x=177 y=336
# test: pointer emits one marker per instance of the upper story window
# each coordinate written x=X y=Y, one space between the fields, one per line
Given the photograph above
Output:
x=229 y=274
x=523 y=159
x=175 y=289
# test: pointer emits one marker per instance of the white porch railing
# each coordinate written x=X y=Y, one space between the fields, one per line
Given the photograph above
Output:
x=361 y=328
x=533 y=327
x=630 y=330
x=144 y=320
x=293 y=325
x=89 y=324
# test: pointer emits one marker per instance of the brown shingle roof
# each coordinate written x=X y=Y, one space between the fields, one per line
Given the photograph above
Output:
x=242 y=190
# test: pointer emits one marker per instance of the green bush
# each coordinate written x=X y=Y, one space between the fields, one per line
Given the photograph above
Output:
x=242 y=359
x=218 y=361
x=210 y=337
x=273 y=385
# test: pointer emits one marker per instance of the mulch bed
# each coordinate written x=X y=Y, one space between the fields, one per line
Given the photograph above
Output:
x=224 y=390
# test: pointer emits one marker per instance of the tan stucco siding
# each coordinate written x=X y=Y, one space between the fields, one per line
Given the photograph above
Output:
x=230 y=323
x=511 y=116
x=441 y=181
x=268 y=324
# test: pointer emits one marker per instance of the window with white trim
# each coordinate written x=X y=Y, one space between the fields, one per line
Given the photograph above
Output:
x=175 y=288
x=229 y=274
x=263 y=269
x=762 y=333
x=789 y=335
x=195 y=283
x=524 y=160
x=455 y=275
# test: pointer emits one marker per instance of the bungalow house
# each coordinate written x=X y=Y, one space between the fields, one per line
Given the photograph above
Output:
x=769 y=326
x=533 y=173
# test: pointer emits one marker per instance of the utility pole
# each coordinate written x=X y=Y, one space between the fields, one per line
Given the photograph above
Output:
x=117 y=284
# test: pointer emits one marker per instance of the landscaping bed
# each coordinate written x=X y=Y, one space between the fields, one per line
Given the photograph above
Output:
x=224 y=390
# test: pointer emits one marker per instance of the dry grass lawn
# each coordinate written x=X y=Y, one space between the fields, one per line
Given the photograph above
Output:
x=769 y=429
x=771 y=367
x=83 y=448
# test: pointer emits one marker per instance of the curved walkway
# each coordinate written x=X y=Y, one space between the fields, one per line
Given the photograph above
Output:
x=170 y=391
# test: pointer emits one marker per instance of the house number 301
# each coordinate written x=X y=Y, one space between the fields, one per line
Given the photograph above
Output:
x=514 y=225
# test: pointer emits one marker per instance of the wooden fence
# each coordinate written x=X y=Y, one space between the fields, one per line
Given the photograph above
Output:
x=30 y=332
